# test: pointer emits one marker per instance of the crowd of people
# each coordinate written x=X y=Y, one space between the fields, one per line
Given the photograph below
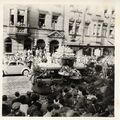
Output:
x=94 y=96
x=41 y=56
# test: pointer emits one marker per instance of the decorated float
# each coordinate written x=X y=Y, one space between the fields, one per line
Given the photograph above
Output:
x=61 y=69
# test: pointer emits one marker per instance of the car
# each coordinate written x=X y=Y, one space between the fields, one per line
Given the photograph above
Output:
x=15 y=68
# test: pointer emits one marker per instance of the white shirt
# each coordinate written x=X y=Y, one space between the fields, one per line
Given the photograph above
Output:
x=24 y=108
x=48 y=114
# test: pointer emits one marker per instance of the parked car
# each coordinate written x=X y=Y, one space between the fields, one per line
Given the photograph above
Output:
x=15 y=68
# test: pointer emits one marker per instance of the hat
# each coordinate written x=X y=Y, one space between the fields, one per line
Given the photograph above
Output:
x=16 y=106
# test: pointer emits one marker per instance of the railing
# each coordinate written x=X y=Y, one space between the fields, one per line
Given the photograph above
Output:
x=19 y=29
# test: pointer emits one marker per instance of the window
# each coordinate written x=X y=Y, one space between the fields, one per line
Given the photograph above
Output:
x=70 y=27
x=98 y=29
x=11 y=16
x=8 y=45
x=54 y=20
x=111 y=33
x=77 y=28
x=87 y=51
x=41 y=20
x=94 y=29
x=20 y=17
x=104 y=30
x=86 y=29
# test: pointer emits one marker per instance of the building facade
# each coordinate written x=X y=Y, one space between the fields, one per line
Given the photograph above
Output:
x=26 y=27
x=90 y=25
x=48 y=27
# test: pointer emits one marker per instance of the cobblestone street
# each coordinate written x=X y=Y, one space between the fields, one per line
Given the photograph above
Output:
x=11 y=84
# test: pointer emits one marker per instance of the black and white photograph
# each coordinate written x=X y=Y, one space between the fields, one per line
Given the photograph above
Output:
x=58 y=60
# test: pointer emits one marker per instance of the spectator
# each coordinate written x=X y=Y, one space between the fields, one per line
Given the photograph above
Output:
x=28 y=98
x=23 y=105
x=6 y=108
x=35 y=108
x=73 y=90
x=49 y=111
x=69 y=102
x=16 y=110
x=56 y=109
x=17 y=97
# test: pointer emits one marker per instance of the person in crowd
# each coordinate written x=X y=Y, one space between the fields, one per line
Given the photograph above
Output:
x=56 y=109
x=6 y=107
x=17 y=97
x=49 y=111
x=66 y=90
x=16 y=110
x=37 y=52
x=23 y=105
x=35 y=108
x=69 y=101
x=28 y=98
x=73 y=90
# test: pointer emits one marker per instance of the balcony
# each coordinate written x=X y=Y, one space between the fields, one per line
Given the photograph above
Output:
x=18 y=30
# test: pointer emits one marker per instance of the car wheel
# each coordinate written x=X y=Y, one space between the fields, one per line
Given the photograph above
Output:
x=25 y=72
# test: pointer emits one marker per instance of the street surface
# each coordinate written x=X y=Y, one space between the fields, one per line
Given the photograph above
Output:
x=11 y=84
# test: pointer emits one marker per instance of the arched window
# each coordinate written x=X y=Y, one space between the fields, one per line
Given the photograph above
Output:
x=40 y=44
x=27 y=44
x=54 y=44
x=8 y=45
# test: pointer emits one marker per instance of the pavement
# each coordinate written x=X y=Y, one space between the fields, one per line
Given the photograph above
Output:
x=11 y=84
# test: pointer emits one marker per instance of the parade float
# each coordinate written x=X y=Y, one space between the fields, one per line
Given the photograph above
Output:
x=57 y=71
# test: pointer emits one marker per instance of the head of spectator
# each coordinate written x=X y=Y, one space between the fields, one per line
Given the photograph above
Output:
x=17 y=94
x=56 y=107
x=49 y=108
x=16 y=110
x=34 y=97
x=73 y=86
x=23 y=99
x=4 y=98
x=6 y=108
x=68 y=95
x=66 y=90
x=28 y=93
x=16 y=106
x=39 y=105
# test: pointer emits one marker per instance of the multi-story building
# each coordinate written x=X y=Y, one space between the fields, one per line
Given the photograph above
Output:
x=50 y=26
x=29 y=26
x=90 y=25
